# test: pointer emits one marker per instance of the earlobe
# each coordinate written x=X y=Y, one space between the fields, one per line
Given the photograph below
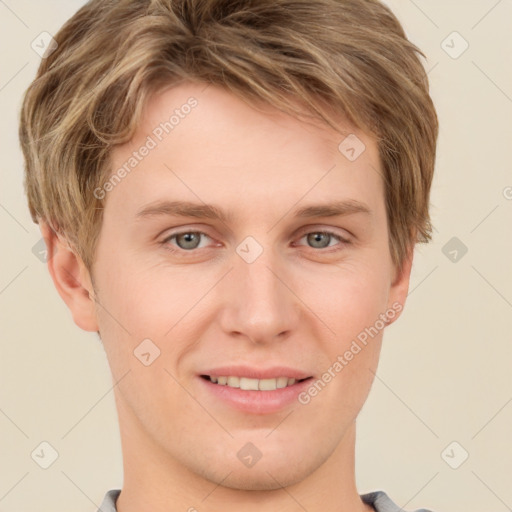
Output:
x=71 y=279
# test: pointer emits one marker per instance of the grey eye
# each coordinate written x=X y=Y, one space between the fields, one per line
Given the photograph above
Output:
x=189 y=240
x=319 y=240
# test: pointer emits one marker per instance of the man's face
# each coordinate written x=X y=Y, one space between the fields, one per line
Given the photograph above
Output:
x=263 y=289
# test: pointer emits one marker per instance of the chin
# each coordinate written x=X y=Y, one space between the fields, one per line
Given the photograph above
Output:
x=274 y=479
x=266 y=475
x=261 y=483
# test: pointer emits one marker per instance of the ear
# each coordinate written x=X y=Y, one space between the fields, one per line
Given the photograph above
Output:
x=71 y=279
x=400 y=286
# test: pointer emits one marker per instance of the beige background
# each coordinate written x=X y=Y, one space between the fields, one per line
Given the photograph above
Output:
x=445 y=372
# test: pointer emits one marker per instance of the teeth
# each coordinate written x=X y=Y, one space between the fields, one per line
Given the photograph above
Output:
x=233 y=382
x=254 y=384
x=282 y=382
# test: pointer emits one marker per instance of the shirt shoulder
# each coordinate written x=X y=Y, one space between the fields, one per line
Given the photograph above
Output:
x=109 y=501
x=381 y=502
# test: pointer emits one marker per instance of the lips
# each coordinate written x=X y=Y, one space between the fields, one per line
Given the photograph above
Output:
x=255 y=390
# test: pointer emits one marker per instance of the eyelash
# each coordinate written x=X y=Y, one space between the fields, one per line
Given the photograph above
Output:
x=343 y=241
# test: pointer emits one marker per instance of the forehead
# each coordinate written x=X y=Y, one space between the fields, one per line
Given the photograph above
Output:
x=204 y=144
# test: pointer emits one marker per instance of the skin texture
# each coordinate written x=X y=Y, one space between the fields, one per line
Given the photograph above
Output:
x=299 y=304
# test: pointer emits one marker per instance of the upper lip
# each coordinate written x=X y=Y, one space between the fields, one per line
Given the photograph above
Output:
x=257 y=373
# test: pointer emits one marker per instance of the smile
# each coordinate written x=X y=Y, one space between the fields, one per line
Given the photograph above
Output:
x=248 y=384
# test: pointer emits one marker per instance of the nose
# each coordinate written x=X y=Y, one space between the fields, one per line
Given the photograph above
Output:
x=258 y=300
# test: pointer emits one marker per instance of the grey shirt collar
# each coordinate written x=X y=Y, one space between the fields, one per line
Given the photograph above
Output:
x=379 y=500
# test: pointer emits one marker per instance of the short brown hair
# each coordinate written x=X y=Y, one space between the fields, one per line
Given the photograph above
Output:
x=337 y=57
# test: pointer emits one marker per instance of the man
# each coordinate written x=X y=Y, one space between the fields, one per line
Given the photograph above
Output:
x=231 y=193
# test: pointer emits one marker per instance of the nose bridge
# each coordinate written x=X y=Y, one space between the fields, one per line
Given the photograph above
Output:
x=260 y=306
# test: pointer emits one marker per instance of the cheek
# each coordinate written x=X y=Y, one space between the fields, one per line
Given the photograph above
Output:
x=135 y=314
x=141 y=301
x=347 y=301
x=351 y=308
x=144 y=300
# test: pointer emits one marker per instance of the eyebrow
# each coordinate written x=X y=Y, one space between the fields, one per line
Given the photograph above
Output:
x=206 y=211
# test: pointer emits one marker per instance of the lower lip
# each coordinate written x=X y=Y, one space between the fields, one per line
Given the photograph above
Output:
x=257 y=402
